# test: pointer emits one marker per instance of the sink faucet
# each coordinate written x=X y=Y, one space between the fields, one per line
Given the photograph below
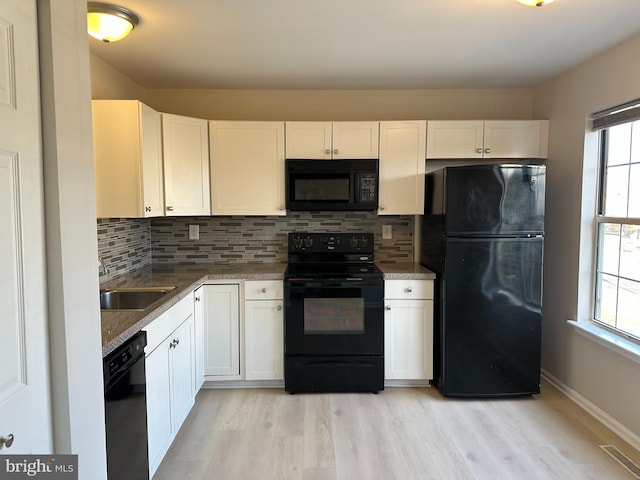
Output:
x=102 y=265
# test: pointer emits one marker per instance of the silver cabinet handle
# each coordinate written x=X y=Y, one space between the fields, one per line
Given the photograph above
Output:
x=487 y=150
x=281 y=209
x=147 y=209
x=279 y=308
x=6 y=441
x=478 y=150
x=388 y=307
x=335 y=151
x=197 y=299
x=169 y=208
x=327 y=151
x=408 y=290
x=263 y=290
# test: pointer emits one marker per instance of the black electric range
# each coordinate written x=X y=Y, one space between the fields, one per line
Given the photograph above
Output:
x=334 y=328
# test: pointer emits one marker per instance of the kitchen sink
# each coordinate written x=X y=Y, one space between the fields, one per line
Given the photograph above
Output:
x=133 y=298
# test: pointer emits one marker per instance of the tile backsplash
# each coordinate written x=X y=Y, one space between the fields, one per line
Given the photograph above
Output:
x=128 y=244
x=124 y=244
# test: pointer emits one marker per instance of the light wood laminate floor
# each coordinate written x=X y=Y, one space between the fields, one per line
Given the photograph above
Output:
x=402 y=433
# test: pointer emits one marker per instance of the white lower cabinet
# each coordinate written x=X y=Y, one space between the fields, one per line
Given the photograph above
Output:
x=218 y=312
x=264 y=330
x=408 y=327
x=242 y=331
x=170 y=378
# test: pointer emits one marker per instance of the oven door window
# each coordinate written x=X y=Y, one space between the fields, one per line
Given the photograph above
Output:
x=333 y=316
x=334 y=320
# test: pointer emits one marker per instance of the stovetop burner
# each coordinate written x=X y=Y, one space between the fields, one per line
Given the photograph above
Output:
x=331 y=255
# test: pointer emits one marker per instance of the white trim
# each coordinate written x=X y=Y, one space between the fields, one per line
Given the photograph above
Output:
x=616 y=343
x=407 y=383
x=595 y=411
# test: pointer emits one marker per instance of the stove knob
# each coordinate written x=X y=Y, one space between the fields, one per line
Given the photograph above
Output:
x=353 y=242
x=308 y=242
x=364 y=241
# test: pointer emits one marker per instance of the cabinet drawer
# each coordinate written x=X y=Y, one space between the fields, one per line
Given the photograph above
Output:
x=409 y=289
x=167 y=322
x=263 y=290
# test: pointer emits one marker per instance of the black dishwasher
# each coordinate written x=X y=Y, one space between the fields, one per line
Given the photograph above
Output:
x=126 y=411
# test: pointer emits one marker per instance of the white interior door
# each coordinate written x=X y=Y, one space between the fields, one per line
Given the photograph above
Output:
x=25 y=403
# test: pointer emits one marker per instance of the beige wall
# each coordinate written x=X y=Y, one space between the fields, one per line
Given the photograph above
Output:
x=345 y=104
x=516 y=103
x=108 y=83
x=604 y=378
x=72 y=247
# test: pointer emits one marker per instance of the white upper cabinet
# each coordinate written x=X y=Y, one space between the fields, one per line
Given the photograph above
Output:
x=516 y=139
x=332 y=140
x=402 y=167
x=186 y=165
x=247 y=168
x=127 y=148
x=308 y=140
x=487 y=139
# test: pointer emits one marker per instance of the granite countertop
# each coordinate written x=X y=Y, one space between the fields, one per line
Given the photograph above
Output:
x=120 y=325
x=405 y=271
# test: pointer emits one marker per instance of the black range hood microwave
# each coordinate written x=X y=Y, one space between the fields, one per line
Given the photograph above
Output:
x=331 y=185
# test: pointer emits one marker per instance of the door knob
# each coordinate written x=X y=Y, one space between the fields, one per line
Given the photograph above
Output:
x=6 y=441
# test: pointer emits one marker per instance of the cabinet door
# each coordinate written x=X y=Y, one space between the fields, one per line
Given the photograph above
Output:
x=221 y=331
x=152 y=162
x=127 y=159
x=198 y=339
x=402 y=167
x=264 y=331
x=185 y=144
x=247 y=168
x=408 y=339
x=182 y=390
x=454 y=139
x=355 y=140
x=515 y=139
x=159 y=422
x=308 y=140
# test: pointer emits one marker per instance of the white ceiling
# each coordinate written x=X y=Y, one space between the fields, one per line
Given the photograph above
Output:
x=362 y=44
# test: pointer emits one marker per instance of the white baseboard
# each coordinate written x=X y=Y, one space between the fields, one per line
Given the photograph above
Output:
x=595 y=411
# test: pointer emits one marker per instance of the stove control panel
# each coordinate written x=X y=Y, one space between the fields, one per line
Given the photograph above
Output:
x=331 y=242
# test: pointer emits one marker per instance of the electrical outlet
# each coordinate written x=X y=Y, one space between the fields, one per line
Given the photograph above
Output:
x=194 y=232
x=387 y=233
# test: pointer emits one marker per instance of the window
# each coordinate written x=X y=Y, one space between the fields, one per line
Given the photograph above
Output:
x=617 y=283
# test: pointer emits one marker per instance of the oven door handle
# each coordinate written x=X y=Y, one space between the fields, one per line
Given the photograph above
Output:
x=342 y=283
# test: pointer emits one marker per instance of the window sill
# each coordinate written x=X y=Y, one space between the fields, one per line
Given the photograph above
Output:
x=613 y=342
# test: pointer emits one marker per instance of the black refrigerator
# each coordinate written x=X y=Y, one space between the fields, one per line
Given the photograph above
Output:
x=483 y=234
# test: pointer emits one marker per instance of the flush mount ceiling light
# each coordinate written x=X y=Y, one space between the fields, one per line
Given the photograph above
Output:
x=109 y=23
x=534 y=3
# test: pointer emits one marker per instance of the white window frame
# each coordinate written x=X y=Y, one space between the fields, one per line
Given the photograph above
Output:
x=599 y=219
